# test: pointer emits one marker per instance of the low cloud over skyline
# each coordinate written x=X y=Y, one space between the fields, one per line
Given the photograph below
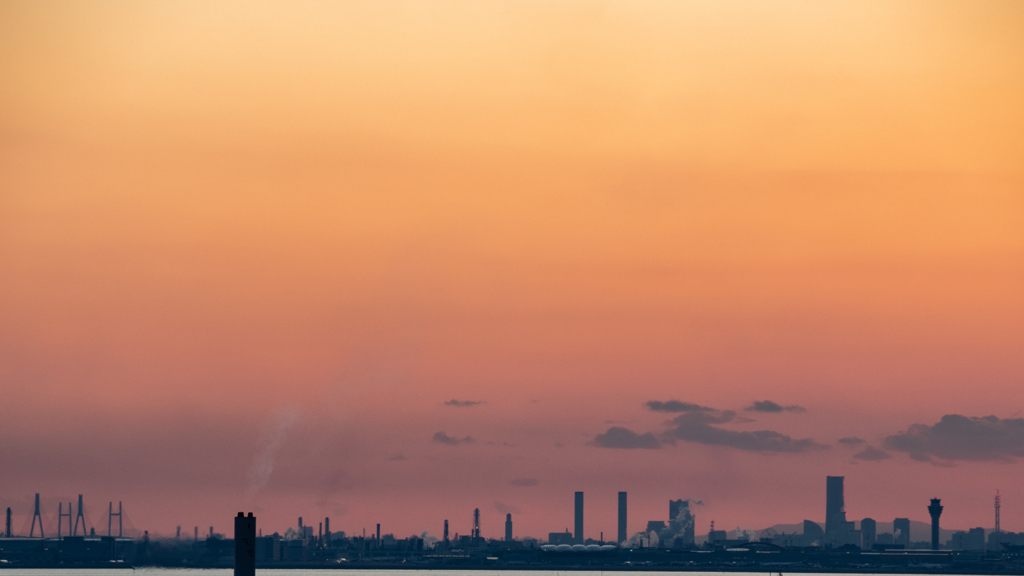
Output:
x=619 y=437
x=851 y=440
x=442 y=438
x=463 y=403
x=769 y=406
x=958 y=437
x=676 y=406
x=872 y=454
x=701 y=425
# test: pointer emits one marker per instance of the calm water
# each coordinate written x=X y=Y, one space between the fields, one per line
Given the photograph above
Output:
x=353 y=572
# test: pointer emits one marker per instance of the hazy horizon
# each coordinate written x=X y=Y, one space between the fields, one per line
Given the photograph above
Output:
x=393 y=261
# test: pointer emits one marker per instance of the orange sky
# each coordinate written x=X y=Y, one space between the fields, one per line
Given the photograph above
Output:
x=218 y=220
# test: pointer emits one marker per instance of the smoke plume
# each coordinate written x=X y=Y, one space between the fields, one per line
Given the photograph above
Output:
x=263 y=466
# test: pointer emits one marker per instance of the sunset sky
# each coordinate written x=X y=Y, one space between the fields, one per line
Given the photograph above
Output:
x=392 y=261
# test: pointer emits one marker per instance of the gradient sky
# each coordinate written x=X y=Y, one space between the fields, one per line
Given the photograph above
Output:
x=249 y=250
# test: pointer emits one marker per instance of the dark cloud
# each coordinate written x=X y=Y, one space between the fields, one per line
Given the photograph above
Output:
x=851 y=440
x=676 y=406
x=697 y=427
x=463 y=403
x=618 y=437
x=442 y=438
x=769 y=406
x=957 y=437
x=872 y=454
x=503 y=508
x=397 y=457
x=524 y=482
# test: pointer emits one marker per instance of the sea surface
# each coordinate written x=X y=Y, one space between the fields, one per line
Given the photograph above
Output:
x=360 y=572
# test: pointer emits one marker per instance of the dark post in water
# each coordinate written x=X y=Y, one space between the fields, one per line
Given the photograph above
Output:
x=245 y=545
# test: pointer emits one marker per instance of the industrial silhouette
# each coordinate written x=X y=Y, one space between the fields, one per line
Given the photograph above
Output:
x=836 y=547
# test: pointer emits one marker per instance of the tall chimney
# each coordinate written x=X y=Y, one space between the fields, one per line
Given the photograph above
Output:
x=578 y=536
x=622 y=517
x=245 y=545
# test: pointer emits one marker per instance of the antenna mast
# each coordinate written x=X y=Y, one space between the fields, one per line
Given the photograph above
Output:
x=999 y=501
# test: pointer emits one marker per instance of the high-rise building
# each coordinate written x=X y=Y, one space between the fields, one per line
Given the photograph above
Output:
x=935 y=510
x=508 y=527
x=868 y=529
x=837 y=530
x=622 y=517
x=835 y=506
x=901 y=532
x=578 y=535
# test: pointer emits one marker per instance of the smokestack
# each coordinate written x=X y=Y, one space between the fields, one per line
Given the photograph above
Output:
x=378 y=532
x=935 y=509
x=7 y=532
x=622 y=517
x=327 y=529
x=196 y=534
x=446 y=532
x=578 y=536
x=245 y=545
x=508 y=527
x=476 y=523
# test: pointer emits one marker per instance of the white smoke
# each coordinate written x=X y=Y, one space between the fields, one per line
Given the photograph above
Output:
x=642 y=540
x=263 y=466
x=428 y=541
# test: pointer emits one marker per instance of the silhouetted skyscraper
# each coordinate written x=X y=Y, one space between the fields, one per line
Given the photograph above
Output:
x=622 y=517
x=835 y=512
x=935 y=509
x=901 y=532
x=578 y=536
x=837 y=530
x=508 y=527
x=868 y=529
